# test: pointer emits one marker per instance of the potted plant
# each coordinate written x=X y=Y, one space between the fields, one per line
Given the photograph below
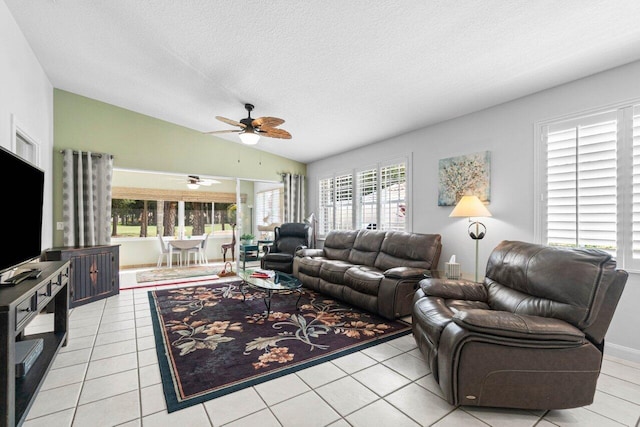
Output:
x=247 y=238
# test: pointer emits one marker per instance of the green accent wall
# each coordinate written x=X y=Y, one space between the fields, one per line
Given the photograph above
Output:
x=142 y=142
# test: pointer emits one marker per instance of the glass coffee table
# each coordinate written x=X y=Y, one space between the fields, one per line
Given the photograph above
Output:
x=279 y=283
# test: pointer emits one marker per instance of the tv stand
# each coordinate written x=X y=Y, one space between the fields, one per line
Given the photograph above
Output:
x=19 y=305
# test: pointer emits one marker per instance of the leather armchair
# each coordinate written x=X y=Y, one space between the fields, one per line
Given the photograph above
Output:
x=288 y=238
x=530 y=336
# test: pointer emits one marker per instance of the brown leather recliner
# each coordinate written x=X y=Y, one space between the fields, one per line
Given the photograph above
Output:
x=530 y=336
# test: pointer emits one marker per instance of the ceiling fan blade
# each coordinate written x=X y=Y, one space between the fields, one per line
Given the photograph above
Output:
x=231 y=122
x=223 y=131
x=274 y=133
x=267 y=121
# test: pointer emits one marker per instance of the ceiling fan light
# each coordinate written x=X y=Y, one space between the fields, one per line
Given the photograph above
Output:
x=249 y=137
x=192 y=185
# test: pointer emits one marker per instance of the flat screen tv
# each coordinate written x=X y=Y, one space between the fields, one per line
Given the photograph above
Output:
x=21 y=195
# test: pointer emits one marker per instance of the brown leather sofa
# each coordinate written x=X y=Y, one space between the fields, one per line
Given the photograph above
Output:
x=530 y=336
x=371 y=269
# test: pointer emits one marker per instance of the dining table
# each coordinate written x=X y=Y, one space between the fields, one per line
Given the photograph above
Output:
x=183 y=245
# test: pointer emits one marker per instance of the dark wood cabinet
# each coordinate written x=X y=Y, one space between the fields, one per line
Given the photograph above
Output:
x=19 y=305
x=94 y=271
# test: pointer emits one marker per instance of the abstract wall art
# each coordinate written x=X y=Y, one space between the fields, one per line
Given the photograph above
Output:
x=467 y=174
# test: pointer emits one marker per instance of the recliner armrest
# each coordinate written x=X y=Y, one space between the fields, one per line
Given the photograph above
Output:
x=406 y=273
x=454 y=289
x=269 y=249
x=507 y=324
x=309 y=253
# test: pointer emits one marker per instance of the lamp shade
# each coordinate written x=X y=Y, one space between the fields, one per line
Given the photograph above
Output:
x=249 y=137
x=470 y=206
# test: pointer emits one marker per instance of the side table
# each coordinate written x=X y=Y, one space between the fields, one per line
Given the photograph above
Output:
x=248 y=253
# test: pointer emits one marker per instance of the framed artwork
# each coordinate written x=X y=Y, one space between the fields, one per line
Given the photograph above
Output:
x=467 y=174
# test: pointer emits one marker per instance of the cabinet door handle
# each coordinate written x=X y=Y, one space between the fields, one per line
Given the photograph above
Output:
x=26 y=309
x=46 y=294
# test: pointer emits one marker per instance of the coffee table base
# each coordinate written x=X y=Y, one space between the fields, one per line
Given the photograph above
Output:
x=269 y=292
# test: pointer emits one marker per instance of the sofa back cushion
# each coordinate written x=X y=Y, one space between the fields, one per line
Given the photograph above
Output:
x=404 y=249
x=366 y=247
x=563 y=283
x=338 y=244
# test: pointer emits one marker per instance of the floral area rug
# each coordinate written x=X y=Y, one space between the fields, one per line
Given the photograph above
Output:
x=211 y=342
x=159 y=274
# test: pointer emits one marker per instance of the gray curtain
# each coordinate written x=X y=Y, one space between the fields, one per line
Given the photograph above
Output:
x=86 y=198
x=294 y=197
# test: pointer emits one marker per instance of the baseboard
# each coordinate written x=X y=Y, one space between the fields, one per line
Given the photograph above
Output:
x=622 y=352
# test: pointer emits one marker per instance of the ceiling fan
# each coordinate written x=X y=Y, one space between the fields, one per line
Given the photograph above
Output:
x=194 y=181
x=251 y=129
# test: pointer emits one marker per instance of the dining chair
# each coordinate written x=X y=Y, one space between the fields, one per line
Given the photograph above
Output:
x=164 y=252
x=203 y=249
x=198 y=253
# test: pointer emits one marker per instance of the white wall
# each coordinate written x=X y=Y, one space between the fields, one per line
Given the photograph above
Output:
x=507 y=131
x=26 y=97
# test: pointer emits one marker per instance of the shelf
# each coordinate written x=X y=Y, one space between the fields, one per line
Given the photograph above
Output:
x=27 y=387
x=30 y=297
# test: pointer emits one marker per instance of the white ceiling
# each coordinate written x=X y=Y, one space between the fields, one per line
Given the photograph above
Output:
x=341 y=73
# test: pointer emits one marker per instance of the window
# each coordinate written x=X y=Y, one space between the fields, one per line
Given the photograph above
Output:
x=373 y=197
x=343 y=209
x=269 y=208
x=141 y=212
x=590 y=189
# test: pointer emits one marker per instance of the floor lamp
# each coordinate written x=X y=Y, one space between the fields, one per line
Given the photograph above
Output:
x=472 y=207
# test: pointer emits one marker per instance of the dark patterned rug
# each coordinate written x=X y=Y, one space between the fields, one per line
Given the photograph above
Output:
x=210 y=342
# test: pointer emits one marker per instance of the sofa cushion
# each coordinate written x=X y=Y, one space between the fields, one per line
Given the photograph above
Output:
x=338 y=244
x=363 y=279
x=403 y=249
x=310 y=266
x=333 y=270
x=366 y=247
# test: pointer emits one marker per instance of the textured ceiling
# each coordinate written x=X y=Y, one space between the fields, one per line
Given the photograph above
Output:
x=341 y=73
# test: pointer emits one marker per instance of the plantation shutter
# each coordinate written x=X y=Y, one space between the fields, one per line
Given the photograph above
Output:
x=344 y=202
x=393 y=182
x=635 y=209
x=269 y=207
x=581 y=189
x=367 y=184
x=325 y=216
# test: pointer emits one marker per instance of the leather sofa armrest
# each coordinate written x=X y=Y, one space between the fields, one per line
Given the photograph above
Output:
x=511 y=325
x=307 y=252
x=406 y=273
x=454 y=289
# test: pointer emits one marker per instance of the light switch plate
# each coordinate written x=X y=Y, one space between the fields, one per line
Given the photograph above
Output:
x=59 y=225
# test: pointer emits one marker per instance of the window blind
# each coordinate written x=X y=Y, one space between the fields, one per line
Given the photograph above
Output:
x=635 y=185
x=581 y=174
x=269 y=207
x=367 y=184
x=325 y=215
x=393 y=182
x=344 y=202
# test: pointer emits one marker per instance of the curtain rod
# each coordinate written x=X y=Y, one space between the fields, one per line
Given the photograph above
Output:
x=92 y=154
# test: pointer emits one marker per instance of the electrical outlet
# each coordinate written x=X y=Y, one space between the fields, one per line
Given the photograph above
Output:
x=59 y=225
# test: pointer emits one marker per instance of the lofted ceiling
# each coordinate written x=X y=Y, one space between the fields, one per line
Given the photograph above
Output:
x=342 y=74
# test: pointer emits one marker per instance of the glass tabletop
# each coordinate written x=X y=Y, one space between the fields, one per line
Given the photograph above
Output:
x=279 y=282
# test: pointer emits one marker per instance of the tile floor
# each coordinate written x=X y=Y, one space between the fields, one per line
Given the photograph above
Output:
x=108 y=375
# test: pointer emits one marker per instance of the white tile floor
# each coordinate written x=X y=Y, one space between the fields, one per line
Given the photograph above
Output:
x=108 y=375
